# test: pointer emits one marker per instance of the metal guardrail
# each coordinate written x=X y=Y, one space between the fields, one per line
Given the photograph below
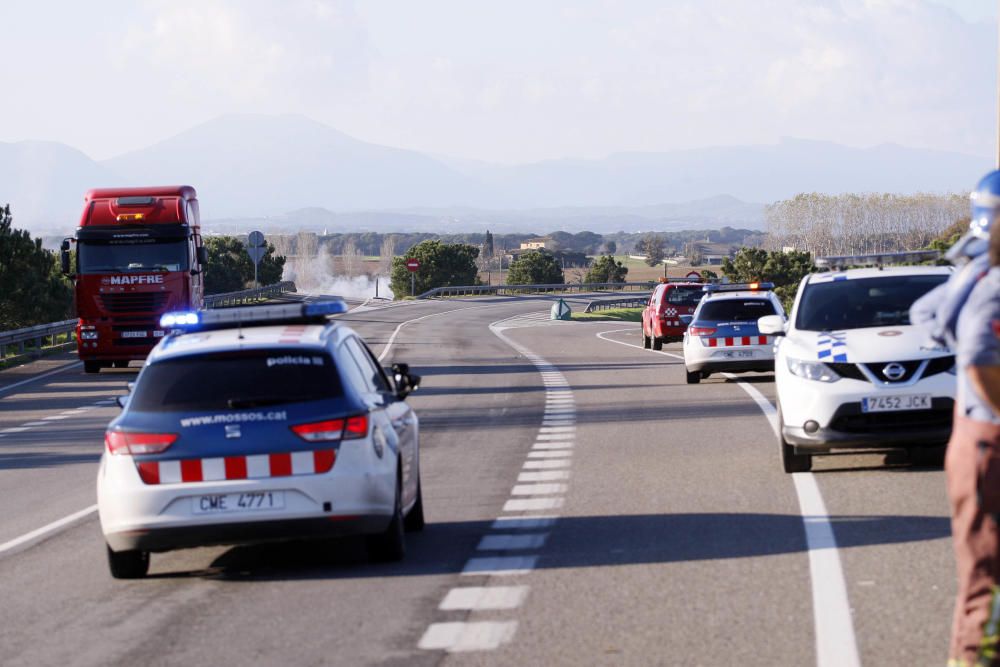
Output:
x=478 y=290
x=247 y=296
x=637 y=301
x=31 y=340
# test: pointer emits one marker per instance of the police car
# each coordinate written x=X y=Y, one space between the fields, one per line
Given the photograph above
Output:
x=722 y=334
x=249 y=425
x=851 y=371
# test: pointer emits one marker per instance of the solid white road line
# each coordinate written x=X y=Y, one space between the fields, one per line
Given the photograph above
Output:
x=459 y=636
x=15 y=429
x=483 y=598
x=504 y=542
x=36 y=536
x=34 y=424
x=500 y=565
x=55 y=371
x=836 y=644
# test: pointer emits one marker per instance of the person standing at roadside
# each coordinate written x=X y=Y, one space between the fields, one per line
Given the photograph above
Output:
x=972 y=467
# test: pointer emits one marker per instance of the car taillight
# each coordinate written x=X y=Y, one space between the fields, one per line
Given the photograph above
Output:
x=701 y=331
x=333 y=429
x=123 y=442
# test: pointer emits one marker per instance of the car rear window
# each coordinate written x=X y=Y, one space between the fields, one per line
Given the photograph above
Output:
x=685 y=296
x=736 y=310
x=234 y=380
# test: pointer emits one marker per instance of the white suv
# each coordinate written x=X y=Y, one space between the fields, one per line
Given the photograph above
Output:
x=852 y=372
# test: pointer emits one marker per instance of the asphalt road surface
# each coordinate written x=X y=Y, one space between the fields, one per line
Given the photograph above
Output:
x=584 y=506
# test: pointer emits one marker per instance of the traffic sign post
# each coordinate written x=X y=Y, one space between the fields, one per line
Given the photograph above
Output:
x=412 y=265
x=693 y=275
x=256 y=249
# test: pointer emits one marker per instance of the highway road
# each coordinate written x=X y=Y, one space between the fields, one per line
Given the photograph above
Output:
x=584 y=505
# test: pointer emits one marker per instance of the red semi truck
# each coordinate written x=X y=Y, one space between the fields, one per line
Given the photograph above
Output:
x=139 y=253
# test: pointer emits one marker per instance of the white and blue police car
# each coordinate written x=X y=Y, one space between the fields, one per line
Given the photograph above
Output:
x=249 y=425
x=850 y=369
x=722 y=333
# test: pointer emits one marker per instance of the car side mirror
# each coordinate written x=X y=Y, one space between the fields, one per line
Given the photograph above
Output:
x=122 y=401
x=405 y=381
x=202 y=255
x=771 y=325
x=686 y=319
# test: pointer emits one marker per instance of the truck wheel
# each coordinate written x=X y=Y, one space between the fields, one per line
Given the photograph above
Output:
x=91 y=367
x=390 y=545
x=790 y=461
x=657 y=343
x=692 y=378
x=128 y=564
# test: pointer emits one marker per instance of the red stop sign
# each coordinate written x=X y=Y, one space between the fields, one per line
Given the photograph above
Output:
x=412 y=264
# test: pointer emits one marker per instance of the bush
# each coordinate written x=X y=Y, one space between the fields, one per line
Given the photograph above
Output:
x=441 y=265
x=535 y=268
x=606 y=270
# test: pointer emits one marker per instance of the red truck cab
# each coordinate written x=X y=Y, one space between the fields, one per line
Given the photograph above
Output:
x=139 y=253
x=661 y=321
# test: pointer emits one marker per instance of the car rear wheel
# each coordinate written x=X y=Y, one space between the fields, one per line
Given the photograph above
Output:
x=693 y=378
x=390 y=545
x=414 y=521
x=91 y=367
x=128 y=564
x=791 y=461
x=646 y=341
x=121 y=363
x=657 y=343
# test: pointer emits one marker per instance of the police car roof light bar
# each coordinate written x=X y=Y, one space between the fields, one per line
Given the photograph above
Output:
x=248 y=316
x=738 y=287
x=878 y=259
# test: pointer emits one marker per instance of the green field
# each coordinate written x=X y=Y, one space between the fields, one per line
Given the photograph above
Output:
x=611 y=315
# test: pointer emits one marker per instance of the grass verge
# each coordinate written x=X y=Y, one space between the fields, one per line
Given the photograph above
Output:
x=611 y=315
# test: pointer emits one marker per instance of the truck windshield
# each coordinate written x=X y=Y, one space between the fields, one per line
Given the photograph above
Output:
x=862 y=302
x=104 y=257
x=236 y=380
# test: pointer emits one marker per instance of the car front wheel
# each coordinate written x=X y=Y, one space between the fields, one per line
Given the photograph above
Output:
x=791 y=461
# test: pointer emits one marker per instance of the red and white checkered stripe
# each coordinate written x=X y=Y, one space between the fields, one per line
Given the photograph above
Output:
x=733 y=341
x=221 y=468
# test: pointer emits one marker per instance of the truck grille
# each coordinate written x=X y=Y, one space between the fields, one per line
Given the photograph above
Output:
x=133 y=302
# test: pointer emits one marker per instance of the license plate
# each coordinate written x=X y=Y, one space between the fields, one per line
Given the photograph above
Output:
x=251 y=501
x=894 y=403
x=738 y=354
x=133 y=334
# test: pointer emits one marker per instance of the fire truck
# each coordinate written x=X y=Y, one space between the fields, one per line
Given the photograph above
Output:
x=139 y=253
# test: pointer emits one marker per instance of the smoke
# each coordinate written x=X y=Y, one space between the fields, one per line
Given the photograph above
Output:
x=315 y=276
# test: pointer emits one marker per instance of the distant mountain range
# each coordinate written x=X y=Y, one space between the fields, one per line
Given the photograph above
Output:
x=291 y=172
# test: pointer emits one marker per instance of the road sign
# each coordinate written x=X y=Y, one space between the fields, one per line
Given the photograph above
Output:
x=412 y=264
x=256 y=253
x=693 y=275
x=255 y=239
x=560 y=311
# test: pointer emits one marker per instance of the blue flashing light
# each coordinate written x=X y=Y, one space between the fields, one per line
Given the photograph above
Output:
x=320 y=308
x=738 y=287
x=179 y=320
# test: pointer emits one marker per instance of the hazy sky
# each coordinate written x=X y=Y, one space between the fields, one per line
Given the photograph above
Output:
x=507 y=80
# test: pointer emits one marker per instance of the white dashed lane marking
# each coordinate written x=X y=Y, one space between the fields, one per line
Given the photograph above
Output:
x=468 y=636
x=480 y=598
x=500 y=565
x=512 y=542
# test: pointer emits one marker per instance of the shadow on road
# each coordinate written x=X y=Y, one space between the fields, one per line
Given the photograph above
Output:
x=574 y=542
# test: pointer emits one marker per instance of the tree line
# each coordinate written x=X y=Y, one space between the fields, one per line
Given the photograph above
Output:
x=849 y=224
